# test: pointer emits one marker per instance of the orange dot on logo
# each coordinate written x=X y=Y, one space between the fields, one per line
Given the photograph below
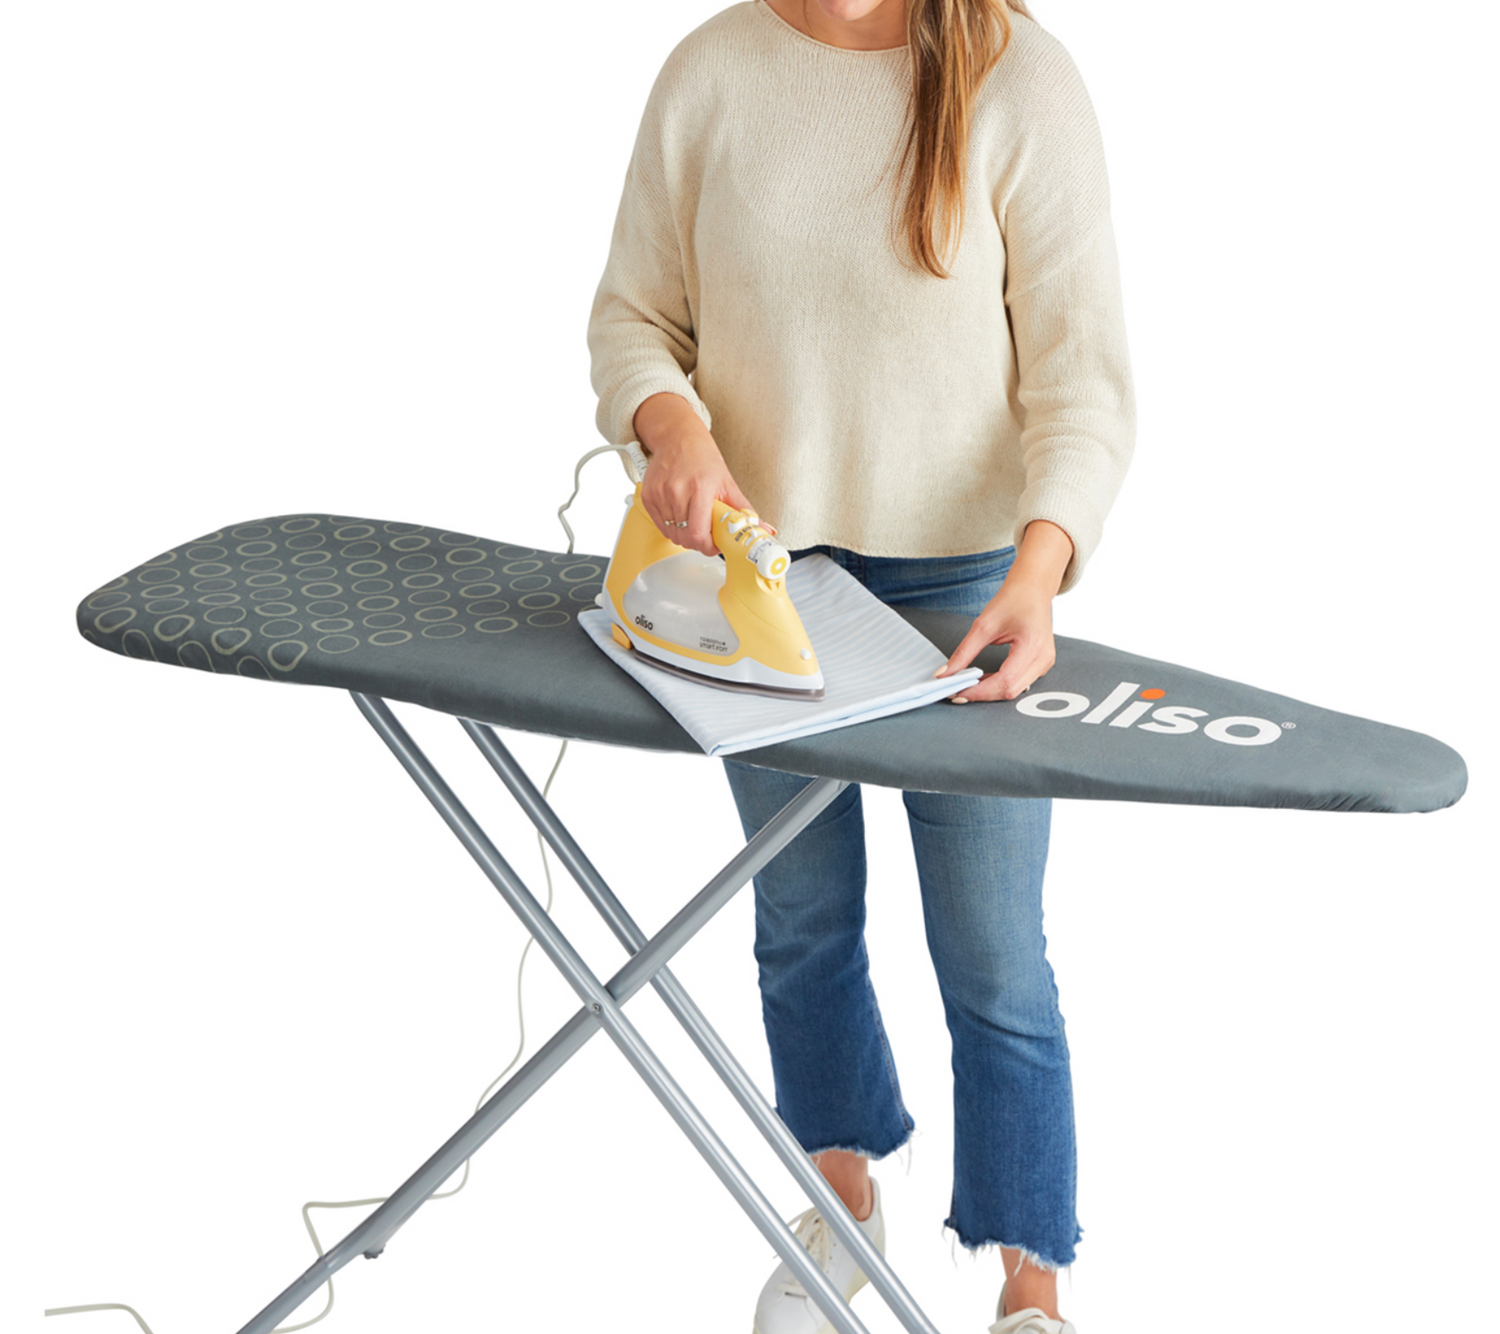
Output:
x=1152 y=694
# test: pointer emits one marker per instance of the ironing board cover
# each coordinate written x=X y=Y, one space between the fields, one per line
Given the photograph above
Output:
x=488 y=630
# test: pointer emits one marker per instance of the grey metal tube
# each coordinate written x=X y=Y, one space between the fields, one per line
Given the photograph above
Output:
x=882 y=1277
x=593 y=993
x=601 y=1006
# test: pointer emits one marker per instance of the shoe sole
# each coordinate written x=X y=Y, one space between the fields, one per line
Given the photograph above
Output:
x=827 y=1326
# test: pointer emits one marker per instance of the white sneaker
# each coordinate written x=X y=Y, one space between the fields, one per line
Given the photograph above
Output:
x=1031 y=1320
x=784 y=1306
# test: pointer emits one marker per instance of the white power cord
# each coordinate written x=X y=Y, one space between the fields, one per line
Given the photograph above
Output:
x=381 y=1199
x=636 y=465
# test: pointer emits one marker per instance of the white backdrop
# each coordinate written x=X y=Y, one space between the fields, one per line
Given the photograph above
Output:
x=333 y=256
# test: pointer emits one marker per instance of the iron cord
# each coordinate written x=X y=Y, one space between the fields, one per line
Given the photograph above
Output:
x=636 y=462
x=381 y=1199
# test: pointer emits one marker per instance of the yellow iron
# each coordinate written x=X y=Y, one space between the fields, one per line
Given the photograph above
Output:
x=726 y=623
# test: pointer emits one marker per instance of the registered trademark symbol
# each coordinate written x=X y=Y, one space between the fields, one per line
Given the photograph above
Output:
x=1289 y=726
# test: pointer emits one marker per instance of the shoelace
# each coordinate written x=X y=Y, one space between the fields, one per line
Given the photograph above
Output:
x=817 y=1239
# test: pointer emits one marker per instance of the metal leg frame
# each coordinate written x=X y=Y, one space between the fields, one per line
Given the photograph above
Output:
x=601 y=1008
x=882 y=1277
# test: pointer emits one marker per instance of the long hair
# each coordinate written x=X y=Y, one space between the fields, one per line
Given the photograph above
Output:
x=954 y=44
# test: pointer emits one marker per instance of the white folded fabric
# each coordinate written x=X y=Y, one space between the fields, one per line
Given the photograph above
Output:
x=874 y=664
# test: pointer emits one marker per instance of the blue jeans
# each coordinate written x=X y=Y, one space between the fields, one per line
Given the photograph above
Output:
x=980 y=862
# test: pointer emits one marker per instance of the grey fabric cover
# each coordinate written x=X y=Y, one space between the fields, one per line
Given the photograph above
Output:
x=488 y=630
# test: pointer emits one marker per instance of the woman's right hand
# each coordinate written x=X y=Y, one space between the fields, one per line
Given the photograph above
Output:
x=686 y=473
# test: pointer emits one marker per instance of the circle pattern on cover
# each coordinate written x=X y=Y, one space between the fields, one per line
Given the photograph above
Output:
x=276 y=598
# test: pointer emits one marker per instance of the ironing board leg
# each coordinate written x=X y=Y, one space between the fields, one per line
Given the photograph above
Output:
x=882 y=1277
x=601 y=1009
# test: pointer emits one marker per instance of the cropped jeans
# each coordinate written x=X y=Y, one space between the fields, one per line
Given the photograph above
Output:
x=980 y=862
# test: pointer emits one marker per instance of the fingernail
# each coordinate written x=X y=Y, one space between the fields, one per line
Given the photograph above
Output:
x=958 y=699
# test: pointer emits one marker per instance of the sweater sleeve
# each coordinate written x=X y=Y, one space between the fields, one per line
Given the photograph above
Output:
x=1078 y=431
x=1063 y=301
x=641 y=336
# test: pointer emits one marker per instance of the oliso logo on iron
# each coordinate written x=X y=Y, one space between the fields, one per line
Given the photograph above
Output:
x=1170 y=719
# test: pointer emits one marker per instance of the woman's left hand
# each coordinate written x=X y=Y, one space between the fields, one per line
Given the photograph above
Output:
x=1020 y=615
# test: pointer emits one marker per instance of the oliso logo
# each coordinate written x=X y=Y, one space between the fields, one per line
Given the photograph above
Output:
x=1172 y=719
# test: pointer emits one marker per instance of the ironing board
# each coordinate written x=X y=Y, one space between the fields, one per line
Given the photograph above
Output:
x=488 y=631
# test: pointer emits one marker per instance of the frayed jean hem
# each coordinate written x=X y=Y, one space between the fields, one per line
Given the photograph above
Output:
x=1035 y=1258
x=863 y=1151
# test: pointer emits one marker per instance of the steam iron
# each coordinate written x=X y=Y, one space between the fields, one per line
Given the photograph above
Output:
x=722 y=622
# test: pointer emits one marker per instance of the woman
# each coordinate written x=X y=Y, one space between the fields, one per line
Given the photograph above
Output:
x=863 y=273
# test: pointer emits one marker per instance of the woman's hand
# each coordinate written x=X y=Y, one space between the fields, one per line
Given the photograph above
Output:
x=1020 y=615
x=687 y=472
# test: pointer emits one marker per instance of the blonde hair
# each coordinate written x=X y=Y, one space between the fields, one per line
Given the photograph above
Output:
x=954 y=44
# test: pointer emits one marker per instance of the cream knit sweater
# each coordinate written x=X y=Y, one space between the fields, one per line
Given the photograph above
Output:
x=858 y=401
